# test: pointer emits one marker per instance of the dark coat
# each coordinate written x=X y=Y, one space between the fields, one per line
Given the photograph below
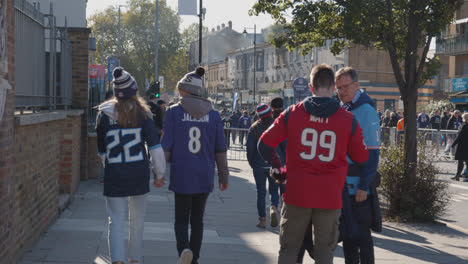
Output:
x=393 y=121
x=461 y=141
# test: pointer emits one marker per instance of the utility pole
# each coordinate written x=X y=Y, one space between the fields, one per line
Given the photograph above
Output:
x=156 y=51
x=201 y=33
x=119 y=35
x=255 y=63
x=102 y=44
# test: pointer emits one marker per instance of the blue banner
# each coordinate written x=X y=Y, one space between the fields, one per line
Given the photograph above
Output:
x=234 y=101
x=459 y=84
x=111 y=65
x=301 y=89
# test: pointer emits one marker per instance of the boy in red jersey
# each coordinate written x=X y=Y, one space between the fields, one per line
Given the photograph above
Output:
x=320 y=134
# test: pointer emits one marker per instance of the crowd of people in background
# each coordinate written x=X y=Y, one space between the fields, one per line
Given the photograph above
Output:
x=138 y=139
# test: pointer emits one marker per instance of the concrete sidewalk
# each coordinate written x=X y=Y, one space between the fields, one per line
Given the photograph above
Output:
x=79 y=235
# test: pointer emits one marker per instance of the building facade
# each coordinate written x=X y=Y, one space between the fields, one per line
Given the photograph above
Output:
x=216 y=44
x=452 y=48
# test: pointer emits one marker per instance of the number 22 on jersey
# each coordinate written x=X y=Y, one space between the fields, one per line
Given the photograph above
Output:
x=116 y=134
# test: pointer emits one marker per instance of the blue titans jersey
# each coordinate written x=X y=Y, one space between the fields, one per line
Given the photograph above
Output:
x=127 y=168
x=193 y=144
x=369 y=121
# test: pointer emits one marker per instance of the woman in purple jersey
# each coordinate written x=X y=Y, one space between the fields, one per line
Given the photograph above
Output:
x=193 y=141
x=124 y=128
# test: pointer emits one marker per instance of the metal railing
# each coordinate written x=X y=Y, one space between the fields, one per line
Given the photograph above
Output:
x=453 y=45
x=42 y=72
x=438 y=142
x=237 y=138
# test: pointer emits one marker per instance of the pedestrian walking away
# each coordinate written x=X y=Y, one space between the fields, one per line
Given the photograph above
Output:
x=244 y=122
x=193 y=141
x=453 y=123
x=261 y=169
x=320 y=135
x=124 y=125
x=227 y=124
x=359 y=247
x=461 y=144
x=276 y=105
x=423 y=119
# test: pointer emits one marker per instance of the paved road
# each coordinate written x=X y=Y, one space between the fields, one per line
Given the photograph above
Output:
x=79 y=235
x=457 y=213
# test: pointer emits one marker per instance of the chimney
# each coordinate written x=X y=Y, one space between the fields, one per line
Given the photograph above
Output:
x=230 y=25
x=223 y=26
x=217 y=28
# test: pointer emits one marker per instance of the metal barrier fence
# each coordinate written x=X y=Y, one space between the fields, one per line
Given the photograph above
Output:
x=43 y=73
x=237 y=138
x=438 y=142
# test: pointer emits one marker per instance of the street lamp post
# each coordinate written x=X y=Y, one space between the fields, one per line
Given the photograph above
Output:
x=156 y=51
x=119 y=34
x=254 y=60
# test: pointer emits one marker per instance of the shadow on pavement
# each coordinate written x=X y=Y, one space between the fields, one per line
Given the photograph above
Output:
x=403 y=242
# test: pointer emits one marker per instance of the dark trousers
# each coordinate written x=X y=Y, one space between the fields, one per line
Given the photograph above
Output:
x=460 y=166
x=189 y=208
x=241 y=137
x=307 y=244
x=227 y=135
x=360 y=249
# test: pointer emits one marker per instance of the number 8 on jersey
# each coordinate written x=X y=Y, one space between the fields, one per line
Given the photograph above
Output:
x=194 y=144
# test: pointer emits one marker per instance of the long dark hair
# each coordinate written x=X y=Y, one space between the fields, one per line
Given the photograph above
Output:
x=130 y=111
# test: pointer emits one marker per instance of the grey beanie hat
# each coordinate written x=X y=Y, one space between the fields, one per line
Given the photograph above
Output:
x=192 y=83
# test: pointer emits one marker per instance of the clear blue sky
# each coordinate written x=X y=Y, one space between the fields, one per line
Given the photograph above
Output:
x=217 y=12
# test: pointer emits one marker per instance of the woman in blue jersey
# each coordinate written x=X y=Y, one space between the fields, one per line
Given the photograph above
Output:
x=125 y=130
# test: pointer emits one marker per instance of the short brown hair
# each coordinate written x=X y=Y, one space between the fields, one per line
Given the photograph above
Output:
x=347 y=70
x=322 y=76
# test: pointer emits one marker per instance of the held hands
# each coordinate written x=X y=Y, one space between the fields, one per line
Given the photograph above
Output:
x=278 y=174
x=223 y=186
x=158 y=183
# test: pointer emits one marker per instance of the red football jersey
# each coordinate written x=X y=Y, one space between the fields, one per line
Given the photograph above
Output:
x=316 y=154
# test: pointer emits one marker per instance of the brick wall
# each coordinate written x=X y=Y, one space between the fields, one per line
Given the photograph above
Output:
x=70 y=157
x=94 y=162
x=6 y=145
x=46 y=160
x=79 y=38
x=35 y=186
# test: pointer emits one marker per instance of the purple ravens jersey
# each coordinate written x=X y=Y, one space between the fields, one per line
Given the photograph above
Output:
x=193 y=144
x=127 y=170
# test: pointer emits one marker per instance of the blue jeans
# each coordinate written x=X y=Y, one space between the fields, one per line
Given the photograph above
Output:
x=117 y=216
x=261 y=175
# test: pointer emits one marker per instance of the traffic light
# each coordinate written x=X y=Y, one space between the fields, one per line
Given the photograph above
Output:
x=154 y=89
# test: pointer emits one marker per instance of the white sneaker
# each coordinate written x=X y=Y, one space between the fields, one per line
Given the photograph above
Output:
x=186 y=256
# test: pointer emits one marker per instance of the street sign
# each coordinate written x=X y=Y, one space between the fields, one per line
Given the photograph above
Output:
x=459 y=84
x=301 y=89
x=161 y=82
x=187 y=7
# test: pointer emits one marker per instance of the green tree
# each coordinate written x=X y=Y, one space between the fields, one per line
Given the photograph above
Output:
x=404 y=28
x=191 y=34
x=138 y=36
